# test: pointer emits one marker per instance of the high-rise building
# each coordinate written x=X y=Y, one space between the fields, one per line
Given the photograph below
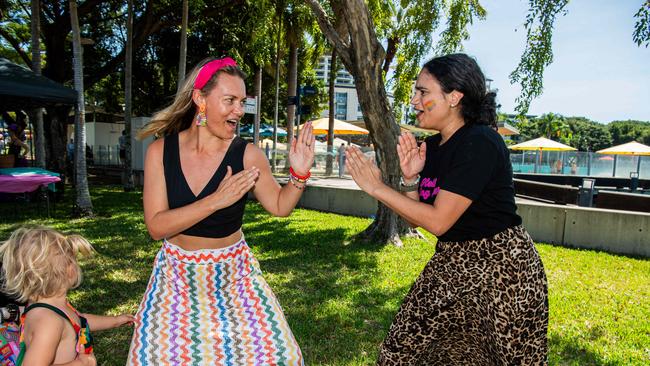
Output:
x=347 y=106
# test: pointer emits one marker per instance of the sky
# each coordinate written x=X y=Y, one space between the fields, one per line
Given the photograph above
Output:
x=598 y=72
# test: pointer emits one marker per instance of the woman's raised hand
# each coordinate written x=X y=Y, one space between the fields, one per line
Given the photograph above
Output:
x=301 y=155
x=411 y=157
x=233 y=187
x=363 y=170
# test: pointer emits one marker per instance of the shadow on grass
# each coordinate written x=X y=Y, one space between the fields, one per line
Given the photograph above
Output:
x=566 y=351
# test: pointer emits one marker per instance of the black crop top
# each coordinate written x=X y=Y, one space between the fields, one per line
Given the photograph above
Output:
x=220 y=223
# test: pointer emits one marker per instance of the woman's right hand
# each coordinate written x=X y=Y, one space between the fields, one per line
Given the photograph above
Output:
x=233 y=187
x=411 y=157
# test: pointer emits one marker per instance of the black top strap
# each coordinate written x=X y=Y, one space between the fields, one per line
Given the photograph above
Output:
x=50 y=307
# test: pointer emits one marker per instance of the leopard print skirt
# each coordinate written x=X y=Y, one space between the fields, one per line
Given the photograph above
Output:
x=477 y=302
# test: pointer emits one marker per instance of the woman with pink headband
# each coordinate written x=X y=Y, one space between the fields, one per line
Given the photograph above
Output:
x=206 y=302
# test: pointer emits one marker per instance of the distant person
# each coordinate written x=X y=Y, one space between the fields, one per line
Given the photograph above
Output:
x=341 y=158
x=40 y=266
x=482 y=298
x=558 y=166
x=70 y=160
x=70 y=150
x=17 y=145
x=122 y=145
x=90 y=156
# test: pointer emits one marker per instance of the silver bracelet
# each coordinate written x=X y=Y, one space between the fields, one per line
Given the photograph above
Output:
x=409 y=187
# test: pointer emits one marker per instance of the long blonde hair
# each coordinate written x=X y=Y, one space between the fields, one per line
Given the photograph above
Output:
x=37 y=262
x=179 y=115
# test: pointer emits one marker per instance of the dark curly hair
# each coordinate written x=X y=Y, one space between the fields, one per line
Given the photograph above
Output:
x=460 y=72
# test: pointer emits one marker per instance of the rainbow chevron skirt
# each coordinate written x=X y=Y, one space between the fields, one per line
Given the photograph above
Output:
x=210 y=307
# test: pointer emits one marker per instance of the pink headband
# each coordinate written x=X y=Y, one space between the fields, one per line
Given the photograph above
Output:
x=209 y=69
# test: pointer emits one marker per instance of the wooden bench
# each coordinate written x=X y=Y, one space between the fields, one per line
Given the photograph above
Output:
x=555 y=193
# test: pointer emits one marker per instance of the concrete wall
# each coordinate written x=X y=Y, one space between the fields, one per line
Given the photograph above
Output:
x=100 y=133
x=338 y=200
x=622 y=232
x=610 y=230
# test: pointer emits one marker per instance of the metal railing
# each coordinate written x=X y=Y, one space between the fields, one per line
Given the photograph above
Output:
x=105 y=155
x=580 y=163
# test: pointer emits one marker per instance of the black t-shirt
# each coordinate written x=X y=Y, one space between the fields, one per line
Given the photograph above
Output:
x=474 y=163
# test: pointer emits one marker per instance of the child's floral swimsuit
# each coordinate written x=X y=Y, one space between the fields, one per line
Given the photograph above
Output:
x=84 y=338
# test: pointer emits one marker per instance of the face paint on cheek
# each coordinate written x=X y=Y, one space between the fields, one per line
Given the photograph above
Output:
x=429 y=105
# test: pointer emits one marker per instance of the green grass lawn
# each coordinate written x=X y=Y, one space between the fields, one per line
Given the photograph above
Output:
x=340 y=295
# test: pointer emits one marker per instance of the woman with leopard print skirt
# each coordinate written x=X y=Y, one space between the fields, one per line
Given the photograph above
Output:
x=482 y=298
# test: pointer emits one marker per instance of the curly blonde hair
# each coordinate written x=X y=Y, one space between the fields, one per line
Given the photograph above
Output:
x=40 y=262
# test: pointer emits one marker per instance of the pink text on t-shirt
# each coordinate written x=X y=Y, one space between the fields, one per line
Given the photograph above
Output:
x=428 y=188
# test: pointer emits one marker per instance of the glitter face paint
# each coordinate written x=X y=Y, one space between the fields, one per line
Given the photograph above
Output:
x=429 y=105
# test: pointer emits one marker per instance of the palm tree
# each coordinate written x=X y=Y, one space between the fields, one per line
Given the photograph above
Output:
x=332 y=108
x=553 y=126
x=183 y=57
x=37 y=114
x=84 y=206
x=128 y=76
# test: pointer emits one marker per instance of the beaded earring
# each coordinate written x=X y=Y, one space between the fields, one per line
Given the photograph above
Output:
x=201 y=119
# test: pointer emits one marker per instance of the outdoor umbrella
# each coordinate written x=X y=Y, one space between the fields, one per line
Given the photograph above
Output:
x=631 y=148
x=321 y=126
x=541 y=144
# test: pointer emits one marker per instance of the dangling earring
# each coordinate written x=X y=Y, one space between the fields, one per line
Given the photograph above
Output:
x=201 y=119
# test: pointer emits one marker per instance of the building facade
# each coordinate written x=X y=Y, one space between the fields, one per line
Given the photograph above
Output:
x=346 y=103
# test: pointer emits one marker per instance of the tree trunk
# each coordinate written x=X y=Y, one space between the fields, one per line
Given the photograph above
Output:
x=332 y=107
x=128 y=76
x=56 y=125
x=292 y=90
x=37 y=113
x=277 y=94
x=84 y=206
x=362 y=54
x=258 y=96
x=183 y=57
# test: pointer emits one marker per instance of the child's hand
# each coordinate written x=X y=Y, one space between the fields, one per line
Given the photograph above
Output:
x=124 y=319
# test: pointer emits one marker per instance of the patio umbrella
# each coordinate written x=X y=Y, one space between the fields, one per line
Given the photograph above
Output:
x=541 y=144
x=631 y=148
x=321 y=127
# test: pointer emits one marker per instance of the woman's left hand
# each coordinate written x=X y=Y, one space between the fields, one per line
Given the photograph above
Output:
x=301 y=155
x=363 y=170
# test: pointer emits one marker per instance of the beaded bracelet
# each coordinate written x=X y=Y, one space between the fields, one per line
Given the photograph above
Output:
x=300 y=179
x=409 y=187
x=293 y=181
